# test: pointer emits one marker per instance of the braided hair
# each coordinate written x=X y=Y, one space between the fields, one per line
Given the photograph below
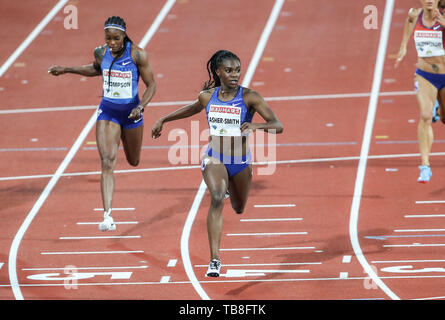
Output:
x=117 y=23
x=213 y=64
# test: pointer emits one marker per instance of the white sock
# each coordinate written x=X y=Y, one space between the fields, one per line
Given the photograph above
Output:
x=107 y=213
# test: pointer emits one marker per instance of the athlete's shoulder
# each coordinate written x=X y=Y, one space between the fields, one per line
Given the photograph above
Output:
x=205 y=96
x=100 y=49
x=207 y=92
x=99 y=53
x=413 y=13
x=250 y=93
x=138 y=54
x=252 y=98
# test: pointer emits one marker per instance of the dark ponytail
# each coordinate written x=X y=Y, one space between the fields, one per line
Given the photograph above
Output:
x=213 y=64
x=120 y=24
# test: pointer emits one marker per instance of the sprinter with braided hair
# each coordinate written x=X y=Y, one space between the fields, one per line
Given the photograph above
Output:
x=226 y=165
x=120 y=62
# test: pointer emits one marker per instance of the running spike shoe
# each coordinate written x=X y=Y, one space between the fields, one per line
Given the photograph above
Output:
x=108 y=223
x=425 y=174
x=436 y=117
x=214 y=268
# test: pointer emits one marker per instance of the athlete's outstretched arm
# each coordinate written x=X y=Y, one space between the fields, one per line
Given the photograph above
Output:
x=181 y=113
x=89 y=70
x=272 y=125
x=410 y=22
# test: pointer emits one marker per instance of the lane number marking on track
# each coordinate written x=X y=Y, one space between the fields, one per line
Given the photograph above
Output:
x=79 y=275
x=409 y=269
x=235 y=273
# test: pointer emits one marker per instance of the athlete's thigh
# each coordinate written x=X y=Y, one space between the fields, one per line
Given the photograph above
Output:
x=215 y=175
x=239 y=187
x=132 y=141
x=107 y=138
x=426 y=94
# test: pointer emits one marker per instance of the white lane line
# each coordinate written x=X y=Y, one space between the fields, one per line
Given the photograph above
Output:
x=414 y=245
x=76 y=174
x=100 y=237
x=262 y=43
x=213 y=282
x=156 y=23
x=271 y=220
x=340 y=96
x=12 y=262
x=343 y=275
x=419 y=230
x=424 y=216
x=202 y=188
x=115 y=209
x=431 y=298
x=31 y=37
x=116 y=222
x=91 y=252
x=185 y=254
x=346 y=259
x=265 y=234
x=261 y=264
x=364 y=153
x=185 y=102
x=85 y=268
x=274 y=205
x=262 y=249
x=430 y=201
x=51 y=109
x=12 y=266
x=242 y=273
x=406 y=261
x=317 y=160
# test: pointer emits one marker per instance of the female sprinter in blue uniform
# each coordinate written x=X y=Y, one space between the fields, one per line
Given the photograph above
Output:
x=120 y=62
x=428 y=25
x=226 y=165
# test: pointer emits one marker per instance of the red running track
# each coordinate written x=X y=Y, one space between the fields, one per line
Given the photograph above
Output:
x=293 y=241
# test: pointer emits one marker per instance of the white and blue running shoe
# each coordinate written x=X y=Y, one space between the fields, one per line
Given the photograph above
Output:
x=108 y=223
x=436 y=117
x=214 y=268
x=425 y=174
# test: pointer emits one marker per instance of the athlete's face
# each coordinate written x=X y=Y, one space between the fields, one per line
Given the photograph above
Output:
x=429 y=4
x=229 y=72
x=114 y=38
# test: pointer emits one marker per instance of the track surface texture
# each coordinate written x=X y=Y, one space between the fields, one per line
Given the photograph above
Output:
x=335 y=211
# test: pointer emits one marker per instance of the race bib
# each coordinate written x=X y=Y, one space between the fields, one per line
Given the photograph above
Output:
x=429 y=43
x=224 y=120
x=120 y=86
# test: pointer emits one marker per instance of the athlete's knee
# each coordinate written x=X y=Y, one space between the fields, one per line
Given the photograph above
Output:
x=216 y=198
x=426 y=116
x=132 y=158
x=239 y=207
x=108 y=163
x=239 y=210
x=133 y=162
